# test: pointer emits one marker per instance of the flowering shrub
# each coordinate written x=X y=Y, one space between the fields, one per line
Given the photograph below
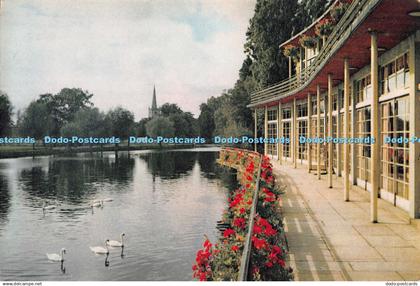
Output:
x=268 y=252
x=338 y=10
x=291 y=51
x=324 y=27
x=308 y=41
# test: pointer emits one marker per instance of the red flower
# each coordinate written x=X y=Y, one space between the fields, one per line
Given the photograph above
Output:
x=257 y=229
x=235 y=248
x=242 y=210
x=228 y=232
x=239 y=222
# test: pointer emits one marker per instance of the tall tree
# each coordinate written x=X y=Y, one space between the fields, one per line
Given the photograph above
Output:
x=6 y=110
x=121 y=122
x=64 y=105
x=35 y=121
x=273 y=23
x=160 y=126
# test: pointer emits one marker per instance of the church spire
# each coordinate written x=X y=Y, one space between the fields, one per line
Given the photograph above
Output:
x=153 y=110
x=154 y=104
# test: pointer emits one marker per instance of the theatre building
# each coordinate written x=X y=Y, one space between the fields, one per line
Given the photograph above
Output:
x=353 y=73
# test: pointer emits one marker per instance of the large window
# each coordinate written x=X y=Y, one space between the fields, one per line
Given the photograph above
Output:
x=286 y=134
x=272 y=133
x=286 y=113
x=341 y=146
x=394 y=75
x=302 y=131
x=272 y=114
x=302 y=109
x=395 y=156
x=363 y=149
x=363 y=89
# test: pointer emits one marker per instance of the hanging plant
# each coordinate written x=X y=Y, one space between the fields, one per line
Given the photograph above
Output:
x=291 y=51
x=338 y=11
x=324 y=27
x=308 y=41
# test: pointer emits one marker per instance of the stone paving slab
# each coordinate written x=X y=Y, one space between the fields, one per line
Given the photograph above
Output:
x=330 y=239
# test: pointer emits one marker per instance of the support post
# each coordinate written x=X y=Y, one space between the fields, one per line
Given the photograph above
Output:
x=309 y=133
x=353 y=157
x=318 y=131
x=346 y=158
x=294 y=135
x=375 y=159
x=255 y=128
x=265 y=129
x=414 y=152
x=338 y=134
x=280 y=134
x=290 y=67
x=330 y=126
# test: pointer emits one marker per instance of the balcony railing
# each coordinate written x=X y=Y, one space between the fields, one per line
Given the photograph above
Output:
x=355 y=14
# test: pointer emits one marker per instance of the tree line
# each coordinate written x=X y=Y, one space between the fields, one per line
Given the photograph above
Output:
x=71 y=112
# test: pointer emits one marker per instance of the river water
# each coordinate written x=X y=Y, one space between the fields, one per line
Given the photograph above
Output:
x=163 y=201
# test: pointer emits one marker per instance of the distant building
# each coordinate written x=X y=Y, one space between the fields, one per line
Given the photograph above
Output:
x=154 y=110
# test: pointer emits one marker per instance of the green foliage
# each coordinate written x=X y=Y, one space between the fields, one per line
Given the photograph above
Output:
x=5 y=114
x=64 y=105
x=160 y=126
x=120 y=122
x=86 y=123
x=35 y=121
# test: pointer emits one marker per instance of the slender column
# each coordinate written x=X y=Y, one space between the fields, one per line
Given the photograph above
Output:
x=338 y=146
x=255 y=129
x=294 y=135
x=414 y=152
x=330 y=126
x=346 y=158
x=375 y=163
x=290 y=67
x=318 y=131
x=353 y=157
x=280 y=134
x=309 y=133
x=265 y=128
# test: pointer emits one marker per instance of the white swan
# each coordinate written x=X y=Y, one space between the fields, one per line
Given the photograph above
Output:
x=104 y=200
x=46 y=207
x=97 y=204
x=57 y=257
x=100 y=249
x=116 y=243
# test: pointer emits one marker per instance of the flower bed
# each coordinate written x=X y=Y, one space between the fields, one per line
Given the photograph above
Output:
x=222 y=260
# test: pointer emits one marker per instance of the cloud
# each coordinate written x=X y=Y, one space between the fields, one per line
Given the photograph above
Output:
x=117 y=50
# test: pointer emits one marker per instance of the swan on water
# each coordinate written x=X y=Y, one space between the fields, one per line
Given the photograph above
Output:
x=47 y=207
x=97 y=204
x=103 y=200
x=57 y=257
x=116 y=243
x=100 y=249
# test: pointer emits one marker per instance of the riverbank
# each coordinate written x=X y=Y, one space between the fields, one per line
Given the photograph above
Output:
x=28 y=150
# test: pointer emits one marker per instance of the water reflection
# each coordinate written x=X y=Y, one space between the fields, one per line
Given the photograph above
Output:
x=4 y=199
x=74 y=179
x=164 y=201
x=169 y=165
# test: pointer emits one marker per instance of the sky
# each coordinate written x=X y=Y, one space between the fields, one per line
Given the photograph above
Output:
x=119 y=49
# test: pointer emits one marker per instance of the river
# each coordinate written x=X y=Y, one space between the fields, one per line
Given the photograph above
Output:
x=164 y=201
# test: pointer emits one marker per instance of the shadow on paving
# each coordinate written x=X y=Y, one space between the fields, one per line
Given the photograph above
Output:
x=309 y=254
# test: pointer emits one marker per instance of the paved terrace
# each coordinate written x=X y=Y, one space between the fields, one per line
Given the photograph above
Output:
x=330 y=239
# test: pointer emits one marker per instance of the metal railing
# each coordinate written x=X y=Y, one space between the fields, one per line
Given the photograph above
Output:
x=355 y=14
x=246 y=253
